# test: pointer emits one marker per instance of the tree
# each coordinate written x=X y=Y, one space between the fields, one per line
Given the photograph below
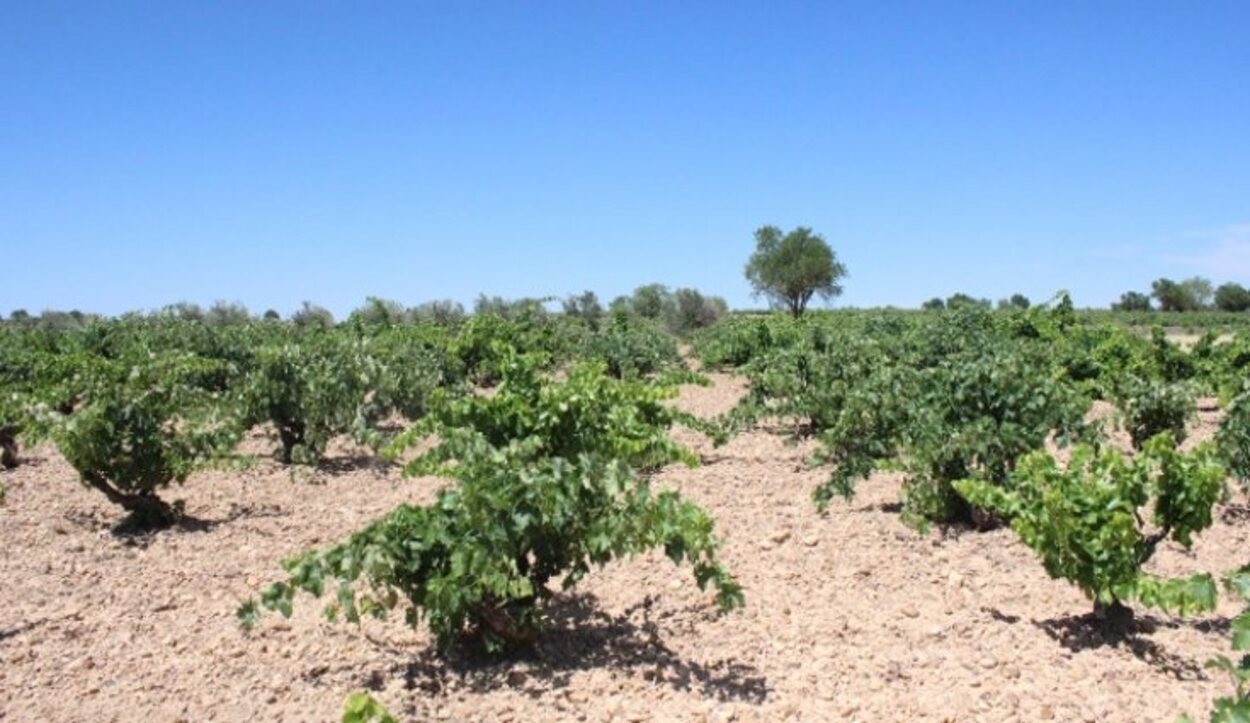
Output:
x=692 y=310
x=440 y=311
x=1132 y=301
x=961 y=300
x=934 y=304
x=1191 y=294
x=311 y=316
x=1232 y=297
x=224 y=313
x=791 y=268
x=379 y=312
x=651 y=301
x=585 y=306
x=1199 y=289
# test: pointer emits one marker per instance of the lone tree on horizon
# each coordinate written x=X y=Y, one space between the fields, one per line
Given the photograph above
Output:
x=791 y=268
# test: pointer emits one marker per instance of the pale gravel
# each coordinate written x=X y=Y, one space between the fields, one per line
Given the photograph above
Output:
x=850 y=616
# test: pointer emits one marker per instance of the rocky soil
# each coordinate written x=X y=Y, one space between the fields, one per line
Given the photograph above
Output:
x=850 y=616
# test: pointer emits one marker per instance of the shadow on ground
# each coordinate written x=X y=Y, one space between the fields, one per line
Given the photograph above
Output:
x=580 y=637
x=1080 y=633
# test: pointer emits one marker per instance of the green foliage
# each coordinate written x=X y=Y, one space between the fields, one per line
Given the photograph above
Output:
x=790 y=268
x=143 y=427
x=1172 y=363
x=960 y=300
x=586 y=307
x=943 y=398
x=1235 y=708
x=547 y=485
x=651 y=301
x=310 y=391
x=1132 y=301
x=1233 y=438
x=226 y=313
x=362 y=708
x=1016 y=301
x=1083 y=521
x=1232 y=297
x=738 y=340
x=443 y=313
x=691 y=311
x=974 y=417
x=1192 y=294
x=633 y=347
x=1152 y=408
x=312 y=317
x=379 y=313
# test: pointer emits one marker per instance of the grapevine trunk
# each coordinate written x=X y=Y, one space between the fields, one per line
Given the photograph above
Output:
x=147 y=511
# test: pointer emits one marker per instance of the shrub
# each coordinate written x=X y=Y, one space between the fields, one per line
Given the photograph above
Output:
x=547 y=485
x=975 y=416
x=1083 y=521
x=1233 y=438
x=1153 y=408
x=141 y=428
x=311 y=391
x=1236 y=707
x=632 y=348
x=692 y=311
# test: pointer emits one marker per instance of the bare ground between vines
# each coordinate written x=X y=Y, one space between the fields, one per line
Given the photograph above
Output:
x=850 y=616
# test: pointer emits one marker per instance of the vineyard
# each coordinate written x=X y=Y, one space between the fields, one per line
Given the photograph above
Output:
x=967 y=514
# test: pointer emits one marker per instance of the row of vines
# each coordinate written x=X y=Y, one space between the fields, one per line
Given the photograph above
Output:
x=986 y=414
x=988 y=417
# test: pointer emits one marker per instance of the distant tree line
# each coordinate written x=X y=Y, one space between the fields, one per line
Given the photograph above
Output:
x=1193 y=294
x=681 y=311
x=964 y=301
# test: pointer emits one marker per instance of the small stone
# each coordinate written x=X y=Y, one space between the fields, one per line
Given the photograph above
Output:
x=1046 y=713
x=989 y=662
x=780 y=536
x=911 y=611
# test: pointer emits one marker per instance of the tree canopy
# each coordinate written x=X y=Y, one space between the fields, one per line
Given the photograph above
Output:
x=790 y=268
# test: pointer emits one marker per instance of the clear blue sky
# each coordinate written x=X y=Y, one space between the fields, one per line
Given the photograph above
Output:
x=271 y=152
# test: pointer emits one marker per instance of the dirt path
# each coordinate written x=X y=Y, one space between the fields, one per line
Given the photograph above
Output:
x=851 y=616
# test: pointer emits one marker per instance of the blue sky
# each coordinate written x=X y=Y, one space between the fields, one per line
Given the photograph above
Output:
x=275 y=152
